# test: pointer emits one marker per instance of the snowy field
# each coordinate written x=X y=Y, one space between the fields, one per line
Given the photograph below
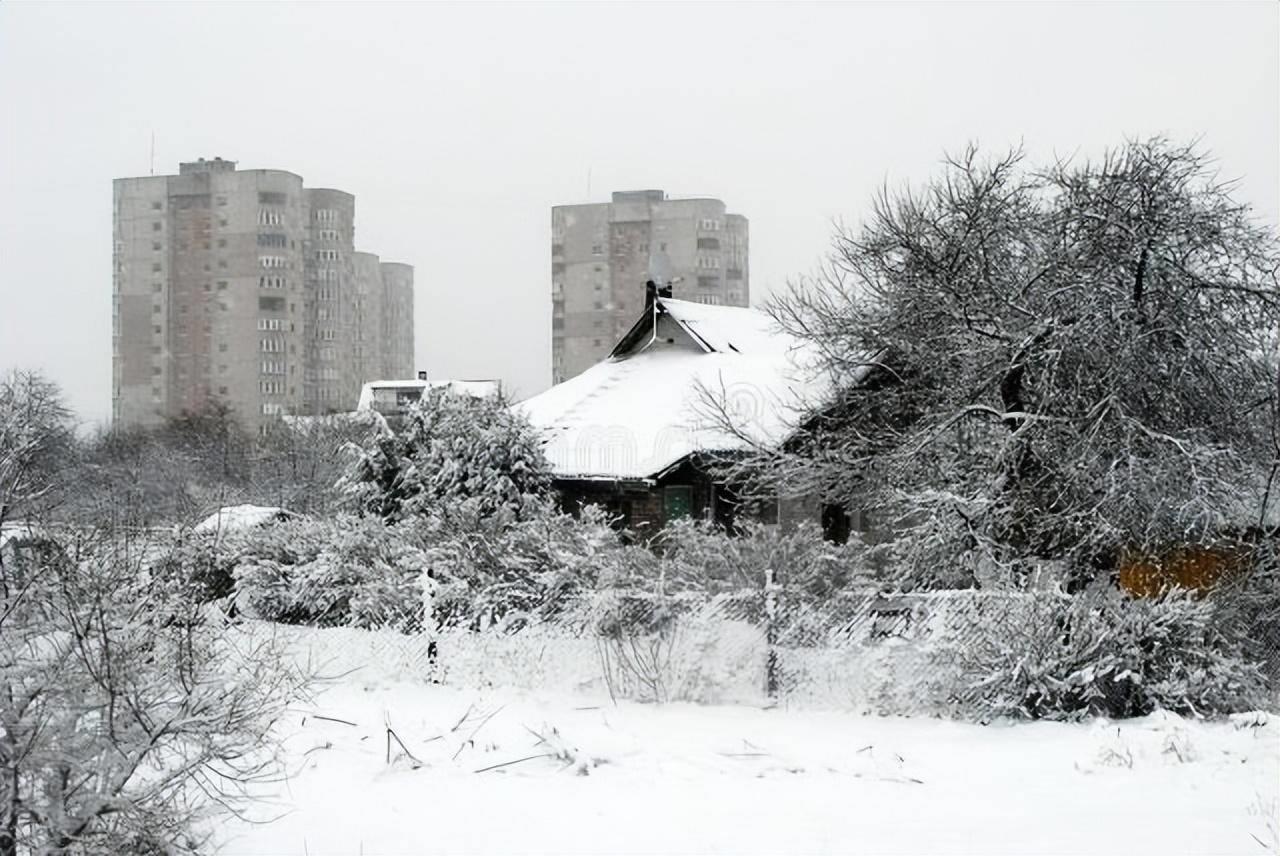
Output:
x=515 y=771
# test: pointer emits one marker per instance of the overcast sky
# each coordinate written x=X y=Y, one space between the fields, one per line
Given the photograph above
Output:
x=457 y=127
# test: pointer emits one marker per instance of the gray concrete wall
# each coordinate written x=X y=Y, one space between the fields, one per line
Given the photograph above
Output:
x=397 y=315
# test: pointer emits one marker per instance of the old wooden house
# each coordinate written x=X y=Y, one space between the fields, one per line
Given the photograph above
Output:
x=638 y=432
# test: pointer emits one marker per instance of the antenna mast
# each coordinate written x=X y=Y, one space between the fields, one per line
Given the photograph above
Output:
x=153 y=152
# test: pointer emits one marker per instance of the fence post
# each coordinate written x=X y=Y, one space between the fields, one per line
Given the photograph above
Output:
x=771 y=634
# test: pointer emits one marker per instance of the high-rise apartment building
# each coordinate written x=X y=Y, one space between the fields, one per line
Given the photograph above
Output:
x=603 y=253
x=243 y=287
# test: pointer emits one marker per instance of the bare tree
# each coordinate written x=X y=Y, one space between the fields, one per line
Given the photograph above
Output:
x=1043 y=364
x=298 y=463
x=124 y=717
x=36 y=440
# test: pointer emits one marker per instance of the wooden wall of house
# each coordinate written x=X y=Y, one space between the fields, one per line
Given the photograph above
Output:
x=688 y=490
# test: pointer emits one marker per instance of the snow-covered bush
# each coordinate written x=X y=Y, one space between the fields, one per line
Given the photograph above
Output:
x=129 y=713
x=516 y=569
x=1248 y=608
x=811 y=568
x=1060 y=657
x=452 y=452
x=343 y=570
x=198 y=567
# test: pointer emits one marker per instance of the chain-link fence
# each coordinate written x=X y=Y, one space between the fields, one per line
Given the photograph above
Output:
x=967 y=653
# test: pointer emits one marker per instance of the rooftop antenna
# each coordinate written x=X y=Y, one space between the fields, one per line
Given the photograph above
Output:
x=588 y=182
x=153 y=152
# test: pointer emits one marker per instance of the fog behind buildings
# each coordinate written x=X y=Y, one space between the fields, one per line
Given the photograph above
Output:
x=459 y=127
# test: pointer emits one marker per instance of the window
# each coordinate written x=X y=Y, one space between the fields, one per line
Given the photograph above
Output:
x=156 y=226
x=597 y=250
x=222 y=348
x=268 y=217
x=157 y=287
x=272 y=409
x=271 y=304
x=156 y=246
x=272 y=346
x=268 y=197
x=272 y=239
x=157 y=206
x=222 y=285
x=270 y=261
x=222 y=200
x=269 y=323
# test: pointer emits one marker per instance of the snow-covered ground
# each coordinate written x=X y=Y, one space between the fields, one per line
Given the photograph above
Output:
x=509 y=771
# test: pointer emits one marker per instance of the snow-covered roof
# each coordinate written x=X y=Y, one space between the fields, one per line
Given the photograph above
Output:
x=646 y=407
x=474 y=388
x=233 y=518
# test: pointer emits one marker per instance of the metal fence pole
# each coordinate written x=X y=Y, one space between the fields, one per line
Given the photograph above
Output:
x=771 y=634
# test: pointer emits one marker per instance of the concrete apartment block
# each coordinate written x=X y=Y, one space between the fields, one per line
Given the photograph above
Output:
x=239 y=287
x=603 y=253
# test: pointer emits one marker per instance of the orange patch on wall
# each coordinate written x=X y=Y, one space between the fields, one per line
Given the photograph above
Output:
x=1193 y=568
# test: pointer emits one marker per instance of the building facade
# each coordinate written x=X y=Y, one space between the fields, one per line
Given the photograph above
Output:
x=240 y=287
x=603 y=253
